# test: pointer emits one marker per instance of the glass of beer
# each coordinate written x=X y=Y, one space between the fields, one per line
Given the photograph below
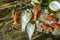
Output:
x=54 y=7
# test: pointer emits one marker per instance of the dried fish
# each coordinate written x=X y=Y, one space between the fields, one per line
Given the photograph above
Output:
x=25 y=18
x=30 y=30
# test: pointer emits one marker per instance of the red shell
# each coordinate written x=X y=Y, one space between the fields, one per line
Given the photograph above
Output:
x=50 y=28
x=50 y=18
x=43 y=25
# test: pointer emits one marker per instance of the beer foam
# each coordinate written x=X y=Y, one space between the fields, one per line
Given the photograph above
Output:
x=54 y=5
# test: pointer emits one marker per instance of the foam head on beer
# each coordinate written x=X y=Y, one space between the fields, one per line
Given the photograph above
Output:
x=54 y=6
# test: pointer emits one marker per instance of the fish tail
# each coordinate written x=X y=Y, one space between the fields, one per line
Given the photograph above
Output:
x=30 y=37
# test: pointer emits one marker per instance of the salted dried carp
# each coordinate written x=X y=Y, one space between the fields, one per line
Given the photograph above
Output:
x=30 y=30
x=25 y=18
